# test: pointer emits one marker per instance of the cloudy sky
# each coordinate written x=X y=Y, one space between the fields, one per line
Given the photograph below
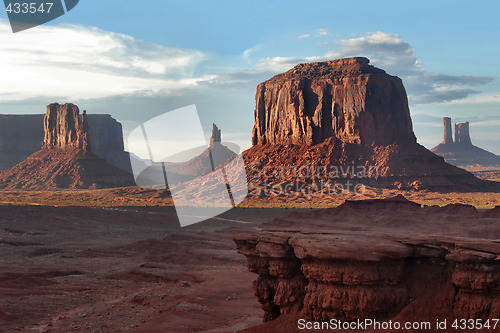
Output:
x=139 y=59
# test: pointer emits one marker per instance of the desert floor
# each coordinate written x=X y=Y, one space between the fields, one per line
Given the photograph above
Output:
x=116 y=260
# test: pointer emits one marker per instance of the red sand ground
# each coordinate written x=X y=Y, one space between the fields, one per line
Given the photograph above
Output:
x=88 y=269
x=78 y=269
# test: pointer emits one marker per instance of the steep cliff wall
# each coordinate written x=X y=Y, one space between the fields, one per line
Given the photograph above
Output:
x=448 y=139
x=64 y=127
x=347 y=99
x=363 y=261
x=462 y=135
x=340 y=114
x=65 y=160
x=22 y=135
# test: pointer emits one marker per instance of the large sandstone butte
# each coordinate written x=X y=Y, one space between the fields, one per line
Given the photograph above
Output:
x=386 y=259
x=22 y=135
x=65 y=160
x=462 y=152
x=347 y=99
x=64 y=128
x=343 y=113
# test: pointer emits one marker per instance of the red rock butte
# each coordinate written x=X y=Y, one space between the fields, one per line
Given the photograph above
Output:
x=345 y=112
x=347 y=99
x=65 y=160
x=65 y=128
x=462 y=152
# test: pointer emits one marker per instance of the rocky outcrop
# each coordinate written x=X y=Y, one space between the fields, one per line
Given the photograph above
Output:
x=106 y=140
x=65 y=128
x=462 y=152
x=65 y=160
x=215 y=155
x=216 y=135
x=347 y=99
x=448 y=139
x=343 y=115
x=363 y=261
x=462 y=136
x=22 y=135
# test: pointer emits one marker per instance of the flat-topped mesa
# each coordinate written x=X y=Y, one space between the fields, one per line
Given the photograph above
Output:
x=64 y=128
x=347 y=99
x=462 y=136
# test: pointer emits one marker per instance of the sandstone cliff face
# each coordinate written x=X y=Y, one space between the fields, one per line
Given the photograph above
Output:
x=65 y=160
x=22 y=135
x=106 y=140
x=347 y=99
x=64 y=128
x=462 y=136
x=341 y=114
x=448 y=139
x=361 y=260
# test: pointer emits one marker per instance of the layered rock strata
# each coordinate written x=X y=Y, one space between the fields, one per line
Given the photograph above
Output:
x=343 y=114
x=347 y=99
x=22 y=135
x=363 y=260
x=65 y=160
x=65 y=128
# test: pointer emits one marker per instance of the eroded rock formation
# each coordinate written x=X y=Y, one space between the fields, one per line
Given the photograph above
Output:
x=215 y=155
x=347 y=99
x=462 y=136
x=65 y=128
x=65 y=160
x=361 y=260
x=22 y=135
x=339 y=114
x=462 y=152
x=448 y=139
x=216 y=135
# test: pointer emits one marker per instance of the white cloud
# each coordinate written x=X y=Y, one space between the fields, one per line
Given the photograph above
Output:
x=318 y=33
x=79 y=62
x=391 y=53
x=322 y=32
x=246 y=54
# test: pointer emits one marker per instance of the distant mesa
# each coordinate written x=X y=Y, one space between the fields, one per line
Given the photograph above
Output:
x=341 y=113
x=215 y=155
x=187 y=165
x=462 y=152
x=65 y=160
x=22 y=135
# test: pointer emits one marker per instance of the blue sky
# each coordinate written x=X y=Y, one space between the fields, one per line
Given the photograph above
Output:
x=138 y=59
